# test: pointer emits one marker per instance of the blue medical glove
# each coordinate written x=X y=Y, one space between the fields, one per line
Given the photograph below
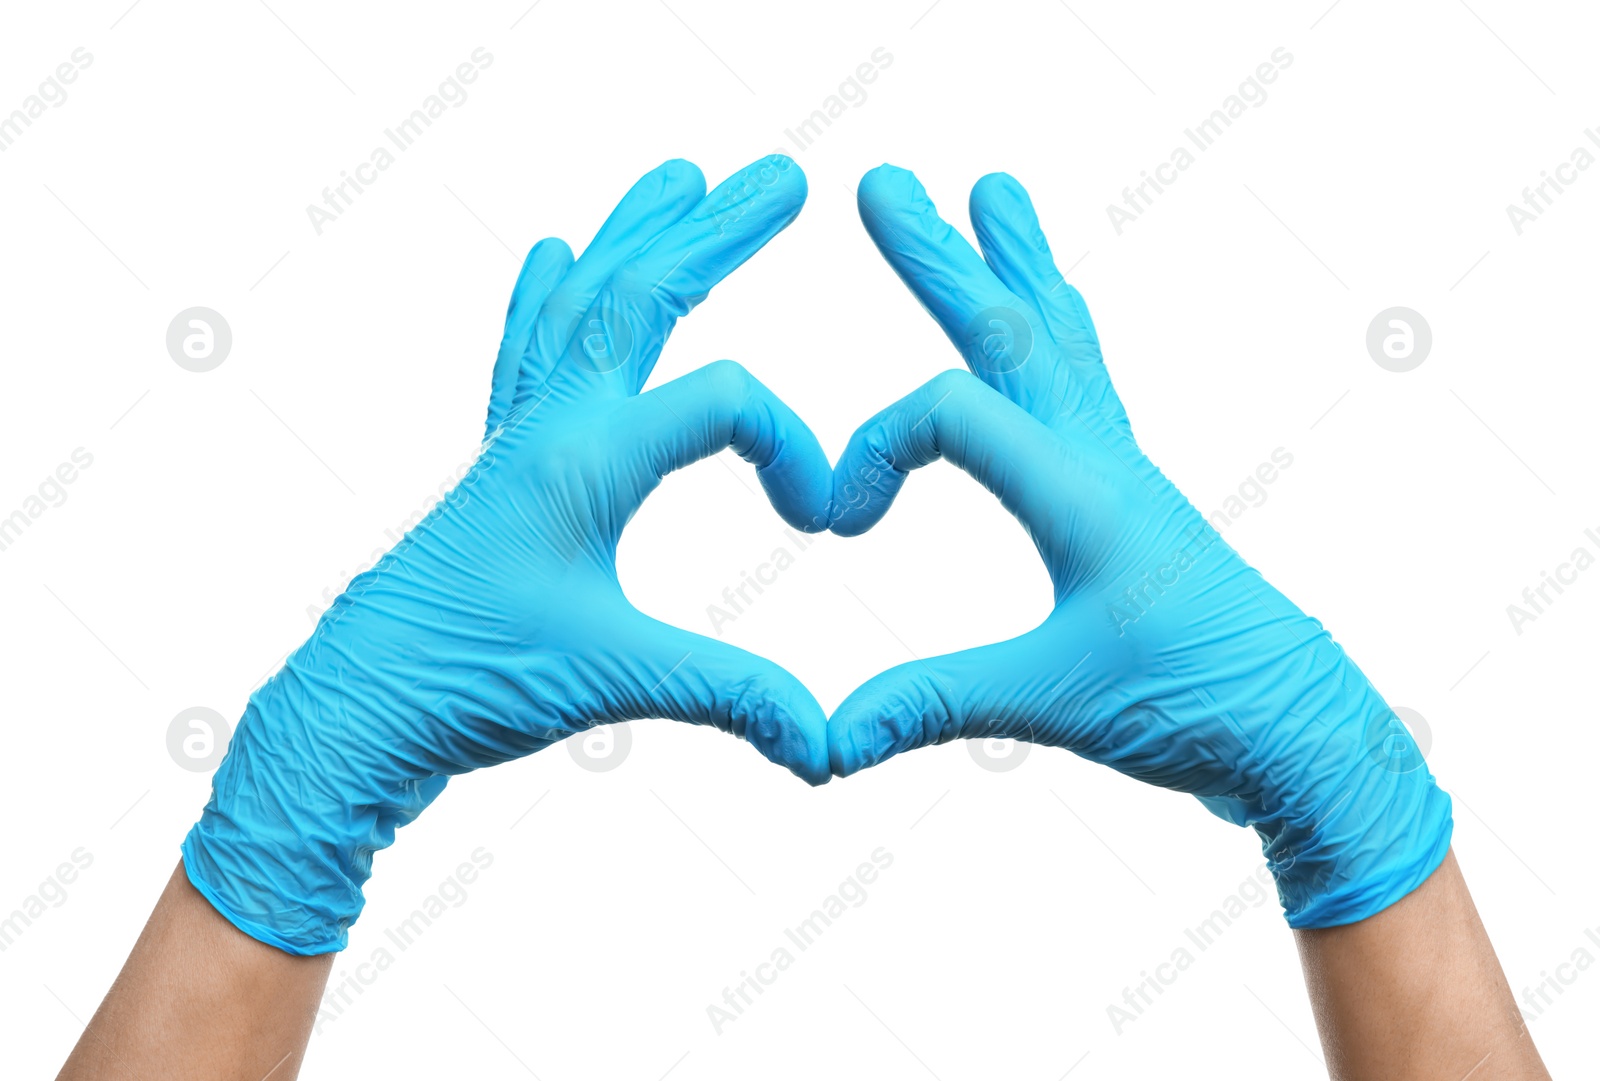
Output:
x=497 y=627
x=1166 y=657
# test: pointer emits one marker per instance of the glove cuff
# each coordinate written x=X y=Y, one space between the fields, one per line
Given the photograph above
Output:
x=286 y=841
x=1369 y=825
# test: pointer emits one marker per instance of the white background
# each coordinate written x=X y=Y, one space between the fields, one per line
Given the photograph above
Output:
x=1019 y=905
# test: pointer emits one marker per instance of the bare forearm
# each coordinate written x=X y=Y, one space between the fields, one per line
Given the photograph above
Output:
x=198 y=998
x=1417 y=992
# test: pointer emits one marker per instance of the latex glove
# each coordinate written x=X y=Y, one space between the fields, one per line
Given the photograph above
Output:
x=497 y=625
x=1166 y=656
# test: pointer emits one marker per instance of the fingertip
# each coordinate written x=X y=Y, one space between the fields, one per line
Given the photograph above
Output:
x=852 y=521
x=859 y=505
x=801 y=494
x=803 y=497
x=887 y=180
x=816 y=771
x=869 y=474
x=713 y=682
x=999 y=190
x=808 y=523
x=756 y=202
x=842 y=759
x=1000 y=207
x=793 y=733
x=546 y=264
x=790 y=168
x=851 y=739
x=797 y=476
x=552 y=254
x=888 y=190
x=789 y=187
x=839 y=767
x=549 y=247
x=681 y=175
x=906 y=707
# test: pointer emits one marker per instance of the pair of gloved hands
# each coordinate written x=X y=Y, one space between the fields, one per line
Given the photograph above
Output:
x=497 y=626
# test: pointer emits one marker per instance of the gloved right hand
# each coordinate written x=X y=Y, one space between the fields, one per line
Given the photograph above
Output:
x=497 y=626
x=1167 y=657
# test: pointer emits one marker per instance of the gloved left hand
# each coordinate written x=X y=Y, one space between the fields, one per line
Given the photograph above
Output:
x=1166 y=656
x=497 y=626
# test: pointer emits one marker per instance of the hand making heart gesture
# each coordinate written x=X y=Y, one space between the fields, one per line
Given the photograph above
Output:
x=497 y=626
x=1167 y=657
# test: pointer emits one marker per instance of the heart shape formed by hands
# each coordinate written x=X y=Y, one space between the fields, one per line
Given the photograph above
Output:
x=498 y=626
x=1166 y=656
